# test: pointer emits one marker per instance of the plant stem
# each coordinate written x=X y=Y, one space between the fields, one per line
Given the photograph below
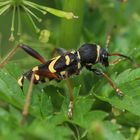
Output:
x=70 y=30
x=19 y=21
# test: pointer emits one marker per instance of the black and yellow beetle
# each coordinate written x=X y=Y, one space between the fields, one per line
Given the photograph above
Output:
x=70 y=63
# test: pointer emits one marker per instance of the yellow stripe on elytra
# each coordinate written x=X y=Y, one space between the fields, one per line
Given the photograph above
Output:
x=98 y=53
x=20 y=81
x=78 y=55
x=51 y=65
x=35 y=68
x=67 y=60
x=36 y=77
x=73 y=52
x=63 y=73
x=79 y=65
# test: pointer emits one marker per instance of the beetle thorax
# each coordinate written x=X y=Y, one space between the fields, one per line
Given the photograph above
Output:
x=89 y=54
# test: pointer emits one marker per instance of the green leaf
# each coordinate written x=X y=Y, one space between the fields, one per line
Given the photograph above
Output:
x=81 y=107
x=65 y=104
x=82 y=114
x=9 y=89
x=93 y=116
x=104 y=131
x=45 y=130
x=128 y=75
x=9 y=124
x=11 y=93
x=45 y=105
x=111 y=131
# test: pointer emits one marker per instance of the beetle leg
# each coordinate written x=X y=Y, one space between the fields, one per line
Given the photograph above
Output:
x=8 y=57
x=34 y=77
x=61 y=51
x=33 y=53
x=100 y=72
x=27 y=102
x=70 y=97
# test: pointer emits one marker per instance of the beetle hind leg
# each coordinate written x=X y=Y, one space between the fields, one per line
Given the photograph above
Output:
x=33 y=53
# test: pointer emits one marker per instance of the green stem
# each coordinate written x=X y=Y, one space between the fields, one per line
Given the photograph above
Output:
x=16 y=2
x=19 y=21
x=31 y=13
x=71 y=29
x=32 y=21
x=35 y=6
x=3 y=9
x=13 y=19
x=13 y=24
x=4 y=3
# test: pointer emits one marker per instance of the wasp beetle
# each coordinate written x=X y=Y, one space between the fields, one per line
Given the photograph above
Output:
x=69 y=63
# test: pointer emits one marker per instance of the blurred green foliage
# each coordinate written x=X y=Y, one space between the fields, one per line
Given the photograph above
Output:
x=98 y=113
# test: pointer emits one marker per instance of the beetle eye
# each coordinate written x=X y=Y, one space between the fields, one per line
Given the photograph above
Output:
x=105 y=59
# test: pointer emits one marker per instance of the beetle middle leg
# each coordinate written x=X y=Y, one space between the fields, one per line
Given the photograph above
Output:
x=61 y=51
x=70 y=97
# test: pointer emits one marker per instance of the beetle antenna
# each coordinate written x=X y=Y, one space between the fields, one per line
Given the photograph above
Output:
x=109 y=35
x=121 y=55
x=108 y=41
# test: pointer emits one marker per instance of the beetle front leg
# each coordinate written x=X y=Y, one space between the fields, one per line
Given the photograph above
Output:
x=100 y=72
